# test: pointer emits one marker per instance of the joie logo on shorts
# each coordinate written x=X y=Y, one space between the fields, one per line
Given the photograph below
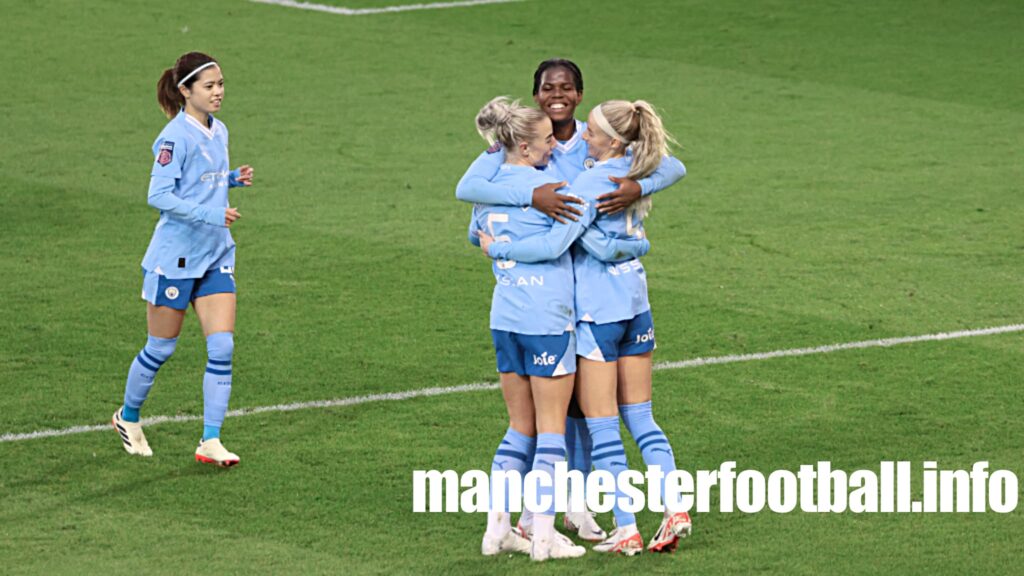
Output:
x=645 y=337
x=171 y=292
x=544 y=359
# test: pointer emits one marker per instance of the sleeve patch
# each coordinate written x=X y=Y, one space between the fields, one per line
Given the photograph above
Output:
x=496 y=147
x=165 y=153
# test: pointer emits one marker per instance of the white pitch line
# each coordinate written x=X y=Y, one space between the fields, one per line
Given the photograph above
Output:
x=882 y=343
x=341 y=10
x=439 y=391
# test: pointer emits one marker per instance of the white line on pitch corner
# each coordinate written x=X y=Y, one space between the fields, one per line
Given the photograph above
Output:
x=341 y=10
x=439 y=391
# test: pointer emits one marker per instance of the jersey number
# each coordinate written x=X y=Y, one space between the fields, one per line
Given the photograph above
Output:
x=491 y=219
x=630 y=215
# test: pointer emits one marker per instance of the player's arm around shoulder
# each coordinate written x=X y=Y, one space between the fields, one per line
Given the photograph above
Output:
x=477 y=184
x=670 y=171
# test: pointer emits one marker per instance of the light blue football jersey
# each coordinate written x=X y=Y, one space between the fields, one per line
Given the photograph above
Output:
x=605 y=291
x=534 y=298
x=189 y=185
x=570 y=158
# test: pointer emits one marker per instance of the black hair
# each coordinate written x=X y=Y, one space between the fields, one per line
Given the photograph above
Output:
x=574 y=70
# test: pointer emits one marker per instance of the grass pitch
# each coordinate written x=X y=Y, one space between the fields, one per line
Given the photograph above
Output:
x=854 y=174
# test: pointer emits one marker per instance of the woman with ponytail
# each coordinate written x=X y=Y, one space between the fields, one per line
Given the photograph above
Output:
x=558 y=90
x=532 y=317
x=532 y=324
x=615 y=332
x=191 y=256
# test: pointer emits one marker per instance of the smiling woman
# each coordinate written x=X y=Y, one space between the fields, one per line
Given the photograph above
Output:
x=191 y=257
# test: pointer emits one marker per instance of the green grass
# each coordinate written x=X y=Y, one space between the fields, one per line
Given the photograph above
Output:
x=854 y=174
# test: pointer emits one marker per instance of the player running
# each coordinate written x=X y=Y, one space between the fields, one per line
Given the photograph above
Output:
x=191 y=256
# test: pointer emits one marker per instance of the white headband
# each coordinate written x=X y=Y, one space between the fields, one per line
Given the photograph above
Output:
x=602 y=122
x=196 y=71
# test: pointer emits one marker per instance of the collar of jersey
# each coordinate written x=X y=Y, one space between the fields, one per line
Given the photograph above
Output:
x=571 y=142
x=507 y=166
x=625 y=159
x=208 y=132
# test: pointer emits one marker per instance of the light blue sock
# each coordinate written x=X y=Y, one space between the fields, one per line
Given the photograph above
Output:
x=514 y=453
x=550 y=450
x=610 y=455
x=217 y=382
x=578 y=445
x=648 y=436
x=142 y=372
x=570 y=443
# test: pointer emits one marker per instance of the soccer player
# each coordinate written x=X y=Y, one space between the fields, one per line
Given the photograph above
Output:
x=558 y=90
x=532 y=322
x=615 y=331
x=191 y=256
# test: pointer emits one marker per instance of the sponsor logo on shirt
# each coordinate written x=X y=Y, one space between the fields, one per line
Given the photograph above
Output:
x=214 y=176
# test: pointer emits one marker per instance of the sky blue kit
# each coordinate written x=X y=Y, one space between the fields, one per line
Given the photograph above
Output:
x=569 y=159
x=189 y=185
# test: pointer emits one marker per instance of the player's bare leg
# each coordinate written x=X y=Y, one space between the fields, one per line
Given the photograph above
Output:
x=500 y=536
x=635 y=393
x=551 y=402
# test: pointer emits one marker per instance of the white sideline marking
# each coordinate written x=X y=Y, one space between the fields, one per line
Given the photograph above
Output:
x=438 y=391
x=385 y=10
x=882 y=343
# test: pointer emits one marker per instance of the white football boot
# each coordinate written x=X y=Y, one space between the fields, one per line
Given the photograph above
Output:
x=213 y=452
x=584 y=525
x=556 y=547
x=623 y=540
x=132 y=438
x=513 y=541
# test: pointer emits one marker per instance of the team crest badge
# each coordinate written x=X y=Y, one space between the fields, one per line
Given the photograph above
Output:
x=589 y=163
x=171 y=293
x=496 y=147
x=166 y=154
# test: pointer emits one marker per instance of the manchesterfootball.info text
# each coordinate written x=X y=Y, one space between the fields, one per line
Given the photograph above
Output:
x=895 y=487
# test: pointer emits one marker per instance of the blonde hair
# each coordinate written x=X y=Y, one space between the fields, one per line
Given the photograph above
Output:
x=641 y=126
x=507 y=121
x=639 y=123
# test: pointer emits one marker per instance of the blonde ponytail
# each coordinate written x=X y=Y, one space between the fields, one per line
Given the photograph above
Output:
x=640 y=126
